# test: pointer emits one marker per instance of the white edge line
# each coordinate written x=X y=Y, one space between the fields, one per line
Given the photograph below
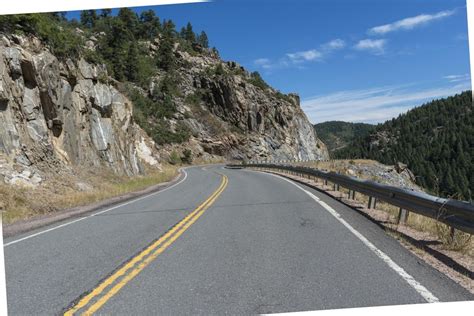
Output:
x=95 y=214
x=424 y=292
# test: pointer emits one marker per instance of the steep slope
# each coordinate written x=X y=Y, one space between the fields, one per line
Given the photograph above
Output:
x=111 y=93
x=55 y=114
x=436 y=140
x=230 y=116
x=337 y=134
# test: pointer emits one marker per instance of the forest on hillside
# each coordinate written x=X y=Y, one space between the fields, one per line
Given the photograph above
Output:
x=338 y=134
x=435 y=140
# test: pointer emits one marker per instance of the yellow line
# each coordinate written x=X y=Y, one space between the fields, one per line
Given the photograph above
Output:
x=179 y=228
x=147 y=261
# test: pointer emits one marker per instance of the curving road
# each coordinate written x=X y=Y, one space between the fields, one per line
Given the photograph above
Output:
x=221 y=241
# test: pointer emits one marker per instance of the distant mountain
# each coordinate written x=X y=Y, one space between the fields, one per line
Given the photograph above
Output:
x=338 y=134
x=436 y=140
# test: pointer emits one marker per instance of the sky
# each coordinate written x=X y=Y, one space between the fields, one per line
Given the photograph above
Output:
x=349 y=60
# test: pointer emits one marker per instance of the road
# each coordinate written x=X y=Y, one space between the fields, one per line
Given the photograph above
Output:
x=221 y=241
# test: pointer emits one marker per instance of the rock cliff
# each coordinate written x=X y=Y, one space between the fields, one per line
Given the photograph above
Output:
x=231 y=116
x=55 y=114
x=61 y=113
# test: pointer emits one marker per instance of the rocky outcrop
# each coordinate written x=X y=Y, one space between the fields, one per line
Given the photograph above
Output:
x=248 y=121
x=60 y=114
x=56 y=114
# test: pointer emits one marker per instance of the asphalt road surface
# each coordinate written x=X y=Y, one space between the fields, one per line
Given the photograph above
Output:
x=220 y=241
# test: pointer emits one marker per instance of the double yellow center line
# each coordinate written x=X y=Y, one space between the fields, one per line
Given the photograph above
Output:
x=112 y=285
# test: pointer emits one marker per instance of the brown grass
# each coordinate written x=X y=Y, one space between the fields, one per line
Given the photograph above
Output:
x=61 y=192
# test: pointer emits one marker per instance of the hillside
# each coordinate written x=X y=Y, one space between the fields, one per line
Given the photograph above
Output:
x=338 y=134
x=436 y=140
x=125 y=92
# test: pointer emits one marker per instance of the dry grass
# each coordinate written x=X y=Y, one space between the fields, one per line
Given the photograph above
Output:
x=61 y=192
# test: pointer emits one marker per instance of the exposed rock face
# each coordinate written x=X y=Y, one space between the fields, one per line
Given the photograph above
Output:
x=54 y=114
x=249 y=121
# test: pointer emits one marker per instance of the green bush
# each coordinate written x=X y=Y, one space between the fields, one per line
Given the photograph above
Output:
x=174 y=158
x=187 y=156
x=257 y=80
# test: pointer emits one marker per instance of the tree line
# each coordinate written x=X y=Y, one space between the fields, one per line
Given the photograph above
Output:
x=435 y=140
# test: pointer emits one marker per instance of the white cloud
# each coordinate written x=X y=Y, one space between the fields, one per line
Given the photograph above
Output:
x=297 y=59
x=308 y=55
x=334 y=45
x=409 y=23
x=458 y=78
x=373 y=105
x=376 y=47
x=262 y=61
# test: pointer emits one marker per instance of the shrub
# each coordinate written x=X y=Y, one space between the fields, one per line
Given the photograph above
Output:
x=174 y=158
x=257 y=80
x=187 y=156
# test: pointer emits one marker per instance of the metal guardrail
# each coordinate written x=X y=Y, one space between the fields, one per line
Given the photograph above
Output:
x=457 y=214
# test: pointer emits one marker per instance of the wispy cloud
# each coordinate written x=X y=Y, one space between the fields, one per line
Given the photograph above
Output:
x=335 y=44
x=301 y=57
x=373 y=105
x=376 y=47
x=409 y=23
x=262 y=61
x=308 y=55
x=457 y=78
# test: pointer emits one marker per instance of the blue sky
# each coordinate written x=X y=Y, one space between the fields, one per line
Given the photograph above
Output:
x=360 y=61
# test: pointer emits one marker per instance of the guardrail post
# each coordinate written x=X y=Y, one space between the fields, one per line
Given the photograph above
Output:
x=372 y=202
x=402 y=216
x=325 y=182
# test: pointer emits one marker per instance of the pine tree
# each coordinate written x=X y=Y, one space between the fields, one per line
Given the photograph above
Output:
x=189 y=33
x=131 y=68
x=165 y=56
x=203 y=40
x=150 y=25
x=88 y=18
x=104 y=13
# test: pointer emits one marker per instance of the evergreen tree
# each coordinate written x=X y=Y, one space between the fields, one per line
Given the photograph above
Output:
x=203 y=40
x=104 y=13
x=132 y=63
x=150 y=25
x=165 y=57
x=436 y=140
x=88 y=18
x=189 y=33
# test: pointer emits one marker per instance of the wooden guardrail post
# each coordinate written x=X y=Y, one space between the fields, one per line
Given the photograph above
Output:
x=402 y=216
x=372 y=203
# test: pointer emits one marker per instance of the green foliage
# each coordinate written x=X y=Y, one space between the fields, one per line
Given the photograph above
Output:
x=50 y=28
x=174 y=158
x=436 y=140
x=123 y=47
x=166 y=59
x=219 y=70
x=187 y=156
x=257 y=80
x=88 y=18
x=203 y=40
x=150 y=25
x=284 y=97
x=338 y=134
